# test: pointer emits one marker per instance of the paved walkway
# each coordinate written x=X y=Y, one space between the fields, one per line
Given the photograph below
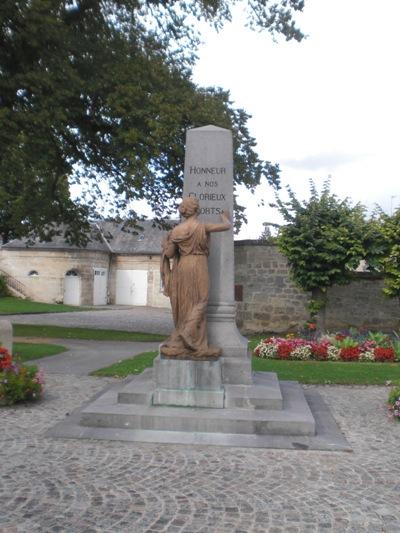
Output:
x=145 y=319
x=78 y=486
x=50 y=485
x=84 y=356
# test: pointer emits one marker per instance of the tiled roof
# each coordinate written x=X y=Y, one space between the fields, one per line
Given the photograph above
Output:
x=145 y=239
x=123 y=239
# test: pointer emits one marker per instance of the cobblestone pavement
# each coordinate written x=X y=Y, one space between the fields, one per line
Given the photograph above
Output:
x=50 y=485
x=145 y=319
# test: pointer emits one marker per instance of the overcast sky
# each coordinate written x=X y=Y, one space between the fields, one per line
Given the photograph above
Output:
x=326 y=106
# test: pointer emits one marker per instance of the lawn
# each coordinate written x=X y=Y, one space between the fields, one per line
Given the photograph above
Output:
x=24 y=351
x=134 y=365
x=59 y=332
x=17 y=306
x=303 y=371
x=327 y=372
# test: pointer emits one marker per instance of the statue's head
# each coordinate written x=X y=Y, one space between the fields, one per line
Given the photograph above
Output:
x=189 y=207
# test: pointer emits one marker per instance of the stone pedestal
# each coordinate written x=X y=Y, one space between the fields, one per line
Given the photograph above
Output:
x=209 y=178
x=187 y=383
x=6 y=335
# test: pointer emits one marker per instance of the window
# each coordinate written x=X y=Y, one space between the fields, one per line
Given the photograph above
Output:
x=72 y=273
x=33 y=273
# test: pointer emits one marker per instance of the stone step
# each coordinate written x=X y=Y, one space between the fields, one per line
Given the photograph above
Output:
x=294 y=419
x=264 y=393
x=140 y=393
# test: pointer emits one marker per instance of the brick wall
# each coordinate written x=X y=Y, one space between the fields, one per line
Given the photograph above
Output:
x=271 y=301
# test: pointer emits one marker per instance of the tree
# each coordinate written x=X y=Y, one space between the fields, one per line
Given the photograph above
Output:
x=387 y=252
x=324 y=240
x=267 y=235
x=99 y=93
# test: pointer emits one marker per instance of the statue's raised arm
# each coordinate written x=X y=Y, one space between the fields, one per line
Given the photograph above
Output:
x=222 y=226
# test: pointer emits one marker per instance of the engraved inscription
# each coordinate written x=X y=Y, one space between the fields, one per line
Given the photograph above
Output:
x=214 y=197
x=207 y=170
x=205 y=187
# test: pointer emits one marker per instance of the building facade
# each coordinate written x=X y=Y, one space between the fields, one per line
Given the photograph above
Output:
x=121 y=267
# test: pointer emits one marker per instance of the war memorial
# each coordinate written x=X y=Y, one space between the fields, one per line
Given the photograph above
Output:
x=201 y=388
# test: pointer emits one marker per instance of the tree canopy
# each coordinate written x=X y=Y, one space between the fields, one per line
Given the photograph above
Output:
x=386 y=255
x=324 y=240
x=99 y=93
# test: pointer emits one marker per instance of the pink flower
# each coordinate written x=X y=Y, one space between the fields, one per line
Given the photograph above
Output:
x=39 y=377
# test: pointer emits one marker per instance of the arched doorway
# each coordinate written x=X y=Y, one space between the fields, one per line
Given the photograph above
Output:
x=72 y=288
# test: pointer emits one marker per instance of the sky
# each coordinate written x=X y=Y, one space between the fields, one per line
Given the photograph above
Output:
x=328 y=106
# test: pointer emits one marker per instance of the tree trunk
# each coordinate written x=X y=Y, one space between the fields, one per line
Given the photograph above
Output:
x=320 y=296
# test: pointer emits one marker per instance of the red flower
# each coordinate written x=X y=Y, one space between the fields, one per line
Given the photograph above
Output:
x=319 y=350
x=284 y=350
x=350 y=354
x=312 y=325
x=384 y=354
x=268 y=341
x=5 y=359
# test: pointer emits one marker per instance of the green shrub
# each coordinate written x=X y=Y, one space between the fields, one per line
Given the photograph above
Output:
x=3 y=287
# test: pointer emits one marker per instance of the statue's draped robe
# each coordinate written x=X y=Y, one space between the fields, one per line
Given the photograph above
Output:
x=187 y=286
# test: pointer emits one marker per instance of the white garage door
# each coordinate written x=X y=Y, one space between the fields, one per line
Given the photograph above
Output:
x=131 y=287
x=100 y=286
x=72 y=289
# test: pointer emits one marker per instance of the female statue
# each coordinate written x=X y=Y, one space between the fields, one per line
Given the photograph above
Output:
x=187 y=283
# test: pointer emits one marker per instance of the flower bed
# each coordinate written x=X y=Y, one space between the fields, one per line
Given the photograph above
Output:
x=18 y=382
x=369 y=348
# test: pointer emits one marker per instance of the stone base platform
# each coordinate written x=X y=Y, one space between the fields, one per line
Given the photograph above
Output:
x=190 y=396
x=327 y=435
x=294 y=419
x=187 y=401
x=264 y=393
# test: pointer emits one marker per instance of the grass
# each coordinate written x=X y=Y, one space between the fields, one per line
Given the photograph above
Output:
x=330 y=372
x=17 y=306
x=253 y=341
x=134 y=365
x=303 y=371
x=59 y=332
x=24 y=351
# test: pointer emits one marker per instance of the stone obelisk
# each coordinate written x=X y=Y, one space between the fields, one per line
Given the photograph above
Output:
x=208 y=176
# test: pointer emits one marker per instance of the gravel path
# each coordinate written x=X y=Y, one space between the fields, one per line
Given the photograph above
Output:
x=49 y=485
x=144 y=319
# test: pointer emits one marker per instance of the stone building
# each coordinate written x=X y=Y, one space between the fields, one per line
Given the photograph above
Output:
x=117 y=266
x=121 y=267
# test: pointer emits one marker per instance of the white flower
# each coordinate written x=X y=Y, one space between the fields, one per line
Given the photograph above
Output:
x=367 y=356
x=301 y=353
x=267 y=351
x=333 y=353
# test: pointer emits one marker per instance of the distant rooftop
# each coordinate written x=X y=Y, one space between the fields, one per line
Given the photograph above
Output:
x=121 y=238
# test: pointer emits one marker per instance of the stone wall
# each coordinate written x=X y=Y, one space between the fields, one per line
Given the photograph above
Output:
x=271 y=301
x=362 y=304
